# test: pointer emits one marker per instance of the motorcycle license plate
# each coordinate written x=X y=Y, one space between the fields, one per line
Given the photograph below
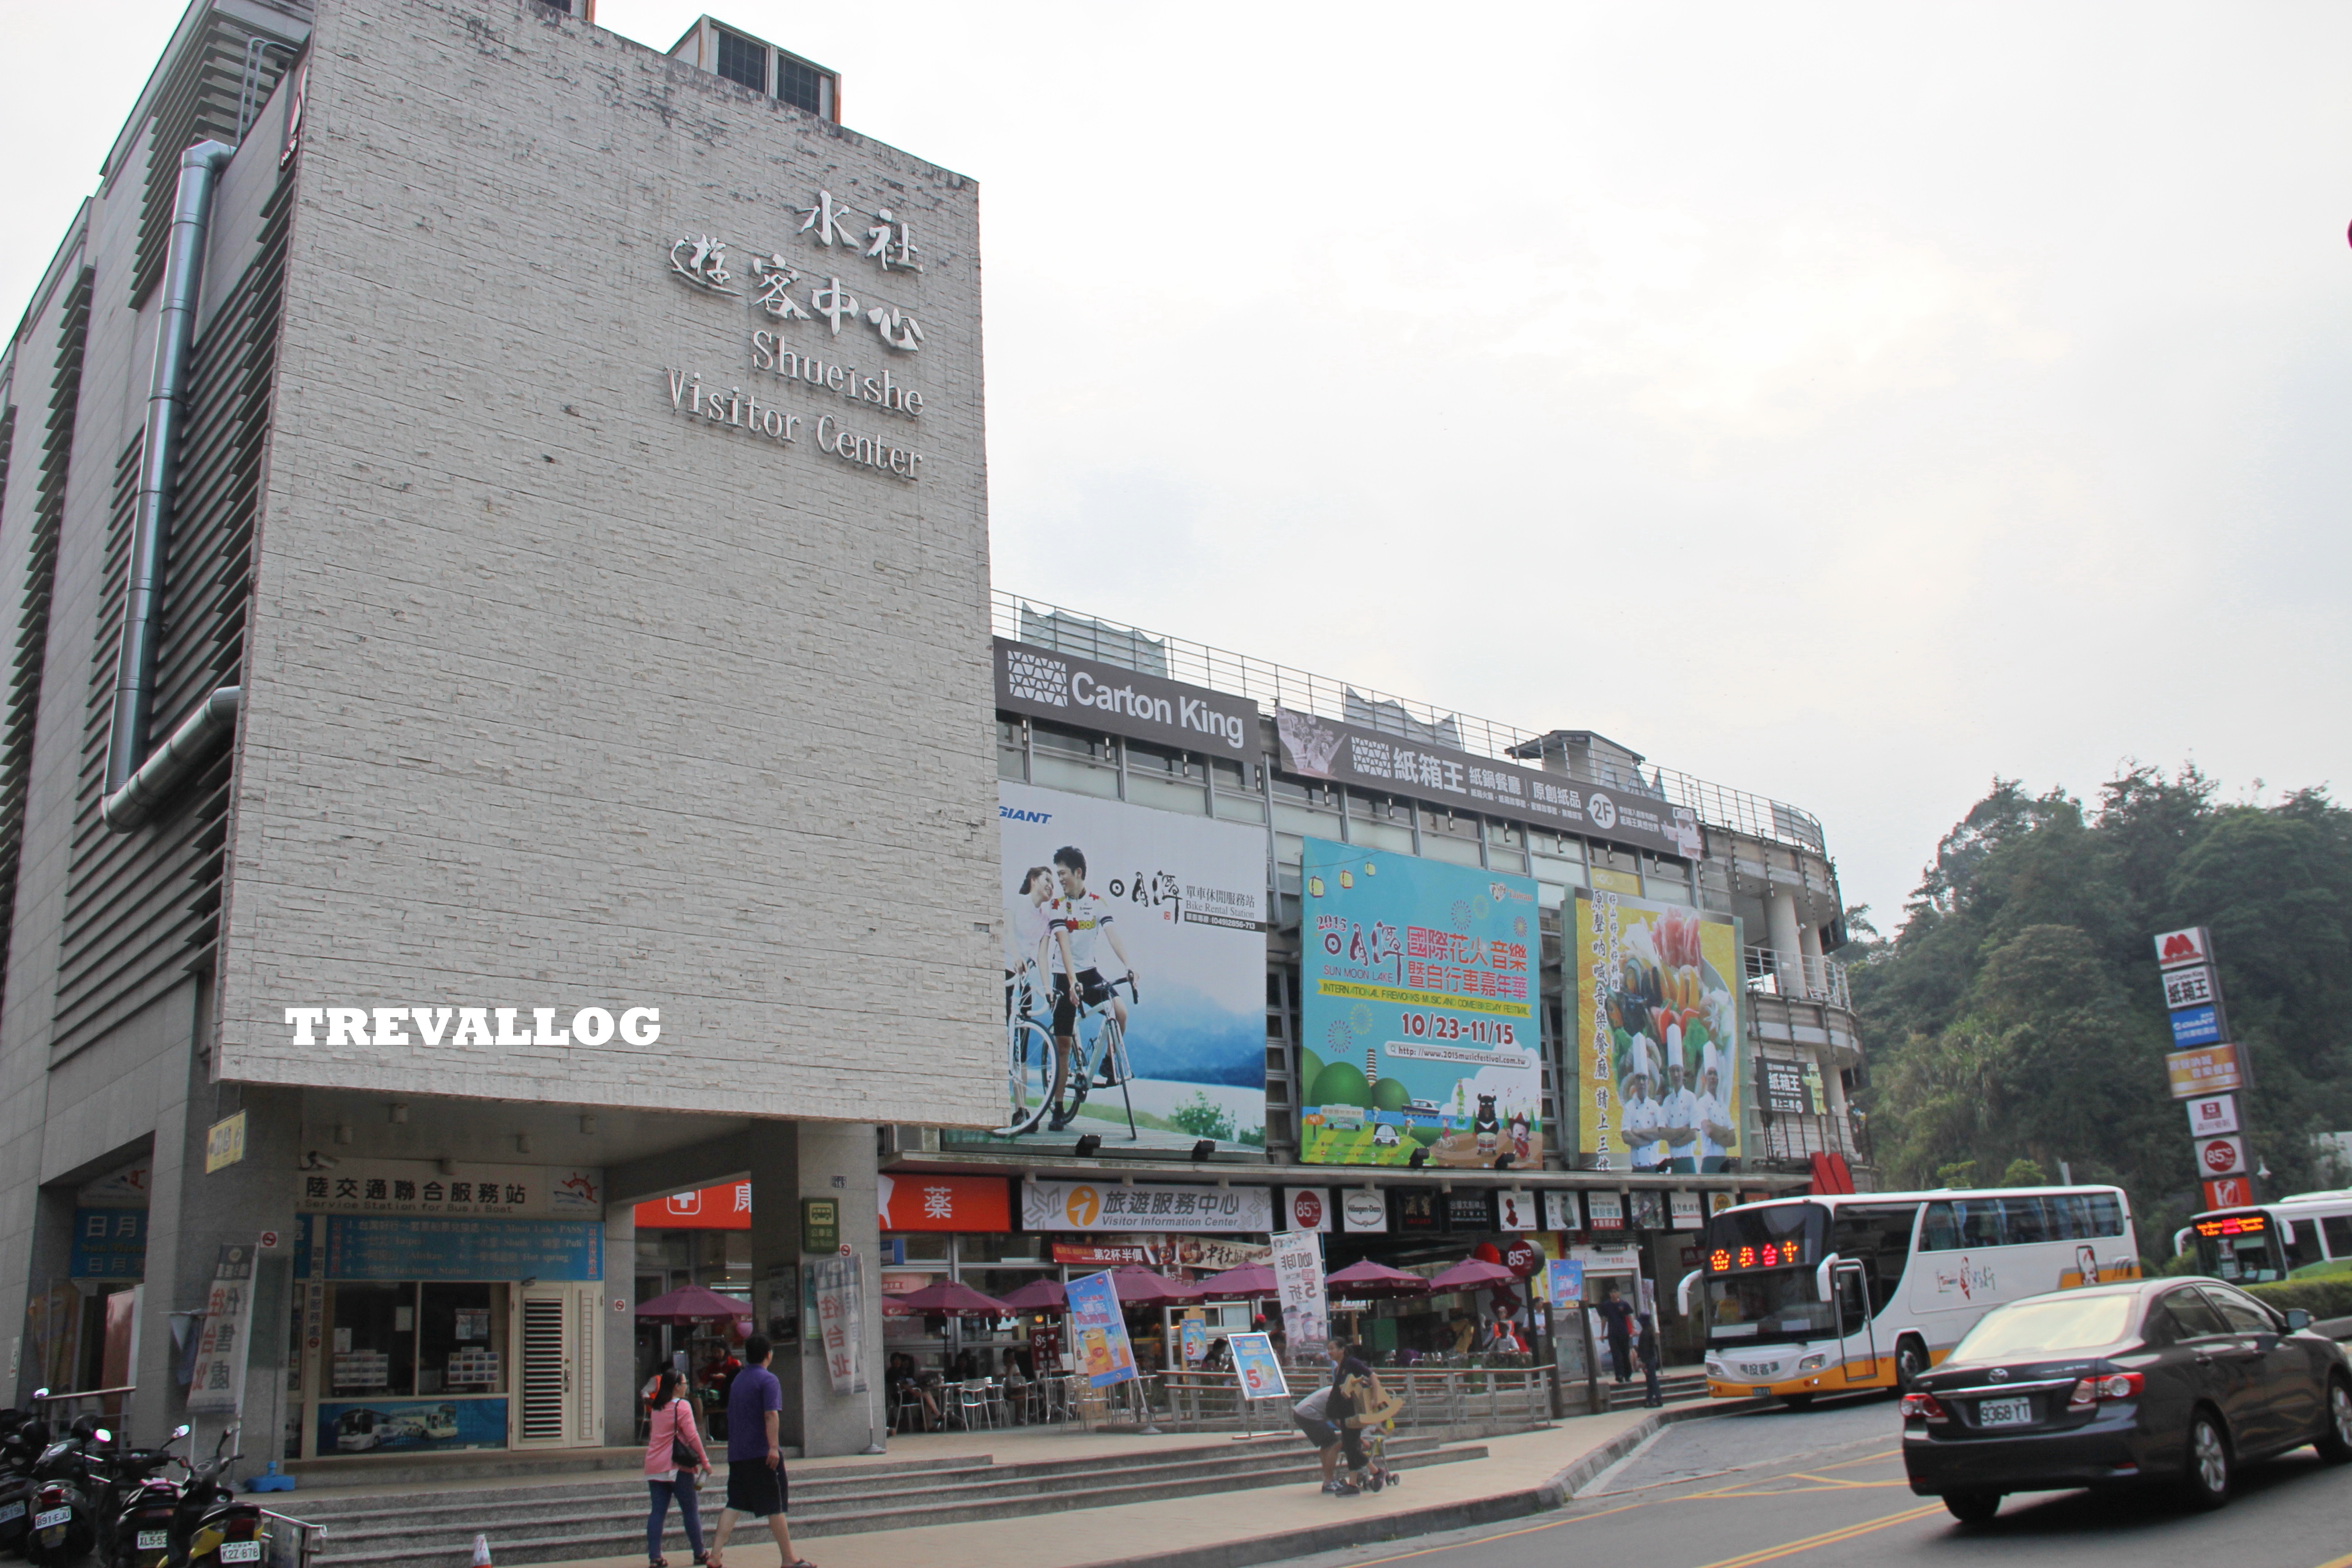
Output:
x=154 y=1541
x=240 y=1551
x=56 y=1516
x=2004 y=1412
x=13 y=1510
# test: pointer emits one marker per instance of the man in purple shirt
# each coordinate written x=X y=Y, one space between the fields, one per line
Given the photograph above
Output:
x=755 y=1463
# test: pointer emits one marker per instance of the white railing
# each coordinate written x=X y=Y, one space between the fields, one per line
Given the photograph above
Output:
x=1273 y=685
x=1771 y=973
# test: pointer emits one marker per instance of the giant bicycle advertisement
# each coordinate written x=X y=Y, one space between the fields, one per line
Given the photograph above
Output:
x=1657 y=1019
x=1137 y=936
x=1420 y=1032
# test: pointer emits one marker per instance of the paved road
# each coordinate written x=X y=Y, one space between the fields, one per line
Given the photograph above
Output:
x=1825 y=1486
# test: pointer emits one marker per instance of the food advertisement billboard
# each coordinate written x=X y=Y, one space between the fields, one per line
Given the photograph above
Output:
x=1658 y=1019
x=1420 y=1029
x=1107 y=889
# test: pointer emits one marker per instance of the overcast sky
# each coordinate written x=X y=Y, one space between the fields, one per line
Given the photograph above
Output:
x=1846 y=404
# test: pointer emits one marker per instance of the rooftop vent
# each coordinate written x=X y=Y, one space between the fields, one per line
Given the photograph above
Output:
x=712 y=46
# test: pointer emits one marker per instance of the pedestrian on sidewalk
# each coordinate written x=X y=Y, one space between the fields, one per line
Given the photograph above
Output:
x=1617 y=1320
x=676 y=1462
x=1647 y=1348
x=755 y=1461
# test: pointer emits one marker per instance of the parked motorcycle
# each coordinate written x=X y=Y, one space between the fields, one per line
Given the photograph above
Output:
x=22 y=1438
x=64 y=1527
x=210 y=1526
x=136 y=1504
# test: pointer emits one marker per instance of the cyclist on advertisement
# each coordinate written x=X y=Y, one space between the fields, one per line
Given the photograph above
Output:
x=1076 y=920
x=1025 y=931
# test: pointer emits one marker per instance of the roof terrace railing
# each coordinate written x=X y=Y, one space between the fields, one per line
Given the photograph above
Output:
x=1271 y=685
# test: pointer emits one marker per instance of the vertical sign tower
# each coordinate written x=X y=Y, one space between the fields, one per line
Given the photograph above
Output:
x=2206 y=1069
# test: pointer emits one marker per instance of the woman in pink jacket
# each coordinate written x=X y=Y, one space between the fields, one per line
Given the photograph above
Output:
x=673 y=1436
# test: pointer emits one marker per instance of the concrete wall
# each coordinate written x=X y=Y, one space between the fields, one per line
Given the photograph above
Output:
x=561 y=696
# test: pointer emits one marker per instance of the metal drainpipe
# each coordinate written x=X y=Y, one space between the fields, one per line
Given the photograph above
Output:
x=136 y=780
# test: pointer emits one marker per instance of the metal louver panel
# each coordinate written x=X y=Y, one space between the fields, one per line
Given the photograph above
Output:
x=542 y=1371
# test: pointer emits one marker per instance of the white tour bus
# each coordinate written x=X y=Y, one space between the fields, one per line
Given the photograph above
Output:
x=2263 y=1242
x=1818 y=1295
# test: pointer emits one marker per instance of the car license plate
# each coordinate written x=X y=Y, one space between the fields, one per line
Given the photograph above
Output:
x=55 y=1516
x=2004 y=1412
x=13 y=1510
x=154 y=1541
x=240 y=1551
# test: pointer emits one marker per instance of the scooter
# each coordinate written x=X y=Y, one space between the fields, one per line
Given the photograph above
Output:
x=210 y=1526
x=138 y=1502
x=63 y=1527
x=22 y=1438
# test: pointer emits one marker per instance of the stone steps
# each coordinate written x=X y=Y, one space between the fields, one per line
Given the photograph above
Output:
x=526 y=1524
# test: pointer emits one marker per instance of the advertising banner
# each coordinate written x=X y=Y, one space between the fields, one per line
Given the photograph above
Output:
x=1515 y=1209
x=1560 y=1210
x=1091 y=694
x=1363 y=1213
x=486 y=1191
x=2229 y=1192
x=2224 y=1156
x=1658 y=1033
x=2212 y=1115
x=2207 y=1070
x=1202 y=1254
x=1349 y=754
x=108 y=1244
x=2189 y=987
x=1259 y=1368
x=2174 y=948
x=841 y=1319
x=218 y=1383
x=1111 y=1206
x=395 y=1247
x=972 y=1204
x=412 y=1425
x=727 y=1206
x=1564 y=1277
x=1299 y=1277
x=1420 y=1033
x=1105 y=1356
x=2196 y=1026
x=1307 y=1209
x=1179 y=903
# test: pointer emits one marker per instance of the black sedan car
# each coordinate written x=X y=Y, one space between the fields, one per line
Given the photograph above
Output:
x=2159 y=1379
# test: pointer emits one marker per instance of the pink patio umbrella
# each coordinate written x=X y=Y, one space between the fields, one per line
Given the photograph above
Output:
x=948 y=1298
x=1472 y=1274
x=694 y=1304
x=1039 y=1296
x=1250 y=1282
x=1368 y=1281
x=1139 y=1287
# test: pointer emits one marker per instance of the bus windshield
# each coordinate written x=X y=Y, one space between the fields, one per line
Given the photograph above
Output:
x=2242 y=1246
x=1759 y=1274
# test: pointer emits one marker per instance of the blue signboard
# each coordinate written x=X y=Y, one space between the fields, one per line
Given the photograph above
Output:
x=2196 y=1026
x=108 y=1244
x=408 y=1246
x=410 y=1426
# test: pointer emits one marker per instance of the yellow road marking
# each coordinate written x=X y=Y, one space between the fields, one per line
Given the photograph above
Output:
x=1830 y=1539
x=1827 y=1538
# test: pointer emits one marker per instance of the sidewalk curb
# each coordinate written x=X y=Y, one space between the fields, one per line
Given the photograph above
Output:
x=1343 y=1533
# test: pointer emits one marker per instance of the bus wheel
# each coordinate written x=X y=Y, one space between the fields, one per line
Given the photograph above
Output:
x=1910 y=1361
x=1796 y=1401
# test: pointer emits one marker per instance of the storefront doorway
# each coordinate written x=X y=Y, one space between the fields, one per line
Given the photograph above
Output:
x=556 y=1327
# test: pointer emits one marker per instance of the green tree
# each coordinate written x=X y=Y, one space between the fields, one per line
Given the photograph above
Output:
x=2017 y=1016
x=2024 y=1173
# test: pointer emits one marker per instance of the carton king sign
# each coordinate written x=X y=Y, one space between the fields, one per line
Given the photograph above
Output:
x=373 y=1026
x=1046 y=684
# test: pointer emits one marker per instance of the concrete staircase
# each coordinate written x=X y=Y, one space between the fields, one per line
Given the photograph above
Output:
x=1674 y=1385
x=559 y=1521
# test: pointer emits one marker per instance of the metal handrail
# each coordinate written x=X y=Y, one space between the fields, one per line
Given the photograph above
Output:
x=306 y=1536
x=1804 y=978
x=1025 y=619
x=1436 y=1399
